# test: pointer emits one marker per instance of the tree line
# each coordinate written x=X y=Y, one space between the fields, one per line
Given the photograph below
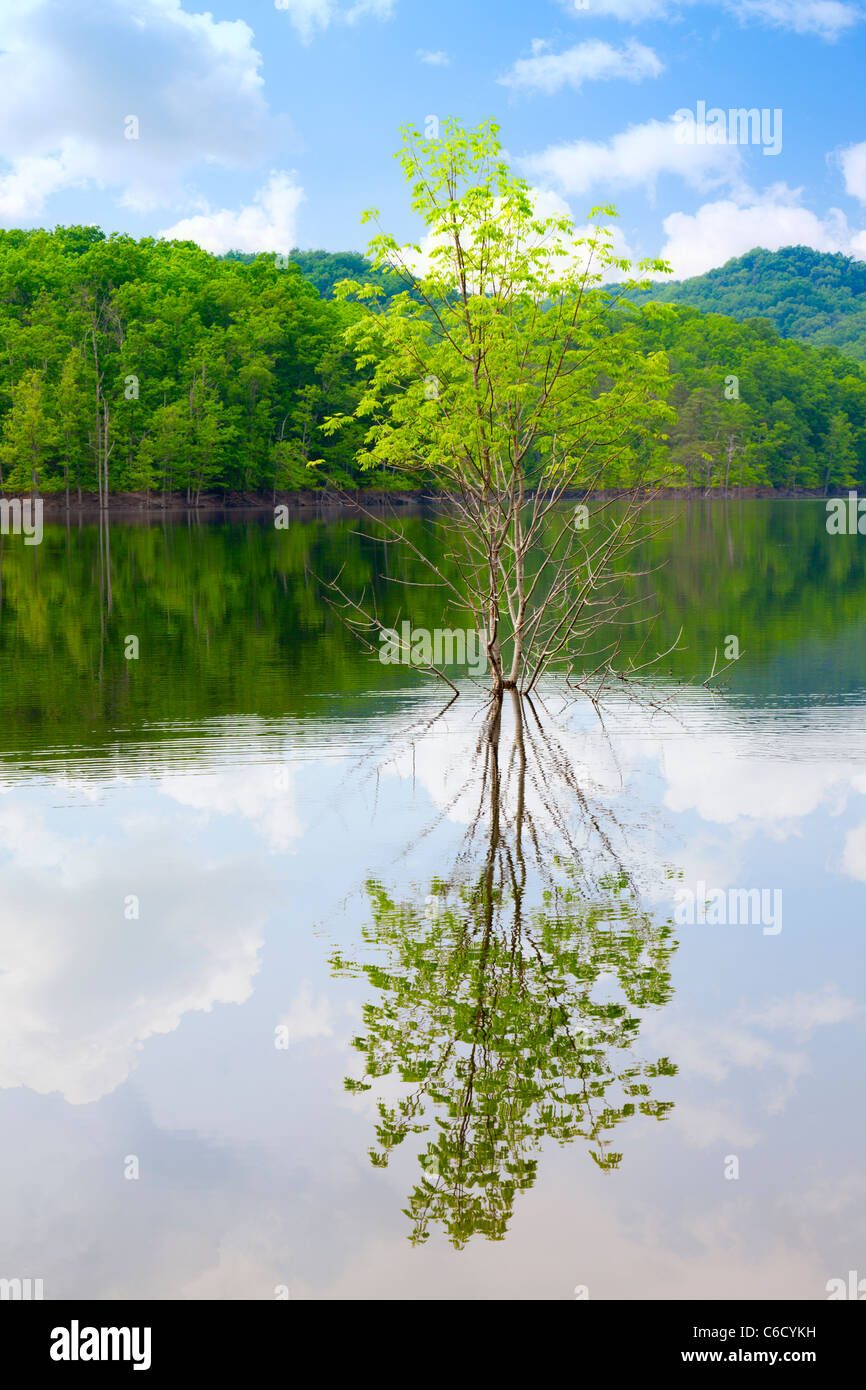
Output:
x=154 y=367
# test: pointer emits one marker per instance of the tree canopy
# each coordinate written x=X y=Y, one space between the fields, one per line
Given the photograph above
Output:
x=810 y=295
x=170 y=369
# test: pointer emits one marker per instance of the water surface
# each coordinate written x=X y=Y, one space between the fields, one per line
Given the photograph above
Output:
x=379 y=999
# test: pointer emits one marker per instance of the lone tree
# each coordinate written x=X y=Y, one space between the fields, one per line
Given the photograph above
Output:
x=503 y=380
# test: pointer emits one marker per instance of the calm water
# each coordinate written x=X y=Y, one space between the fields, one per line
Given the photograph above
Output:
x=309 y=982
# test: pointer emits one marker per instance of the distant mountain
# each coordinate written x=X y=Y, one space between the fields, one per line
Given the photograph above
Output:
x=325 y=269
x=808 y=295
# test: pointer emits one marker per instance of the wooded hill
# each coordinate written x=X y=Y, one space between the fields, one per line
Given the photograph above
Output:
x=805 y=294
x=154 y=366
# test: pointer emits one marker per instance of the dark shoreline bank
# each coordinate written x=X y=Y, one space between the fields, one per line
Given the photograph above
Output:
x=126 y=503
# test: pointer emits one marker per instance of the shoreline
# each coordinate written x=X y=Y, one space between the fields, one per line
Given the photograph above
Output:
x=156 y=506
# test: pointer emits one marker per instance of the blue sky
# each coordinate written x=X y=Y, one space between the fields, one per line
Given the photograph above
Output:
x=268 y=123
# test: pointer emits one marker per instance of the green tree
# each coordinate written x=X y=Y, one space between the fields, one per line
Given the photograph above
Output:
x=843 y=466
x=26 y=434
x=72 y=419
x=501 y=382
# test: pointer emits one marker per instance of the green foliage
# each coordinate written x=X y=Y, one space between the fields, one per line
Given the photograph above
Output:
x=239 y=363
x=754 y=408
x=27 y=435
x=504 y=351
x=510 y=1026
x=176 y=369
x=805 y=294
x=326 y=269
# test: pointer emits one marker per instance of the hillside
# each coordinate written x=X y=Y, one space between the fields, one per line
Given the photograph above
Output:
x=325 y=269
x=151 y=366
x=808 y=295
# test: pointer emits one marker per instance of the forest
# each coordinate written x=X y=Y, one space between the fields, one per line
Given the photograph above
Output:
x=156 y=368
x=814 y=296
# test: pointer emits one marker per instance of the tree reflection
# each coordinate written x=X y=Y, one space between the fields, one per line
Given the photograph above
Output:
x=509 y=999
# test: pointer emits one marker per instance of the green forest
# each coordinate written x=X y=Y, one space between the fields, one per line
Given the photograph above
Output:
x=156 y=368
x=810 y=295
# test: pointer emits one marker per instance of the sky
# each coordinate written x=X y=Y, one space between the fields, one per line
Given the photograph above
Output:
x=262 y=125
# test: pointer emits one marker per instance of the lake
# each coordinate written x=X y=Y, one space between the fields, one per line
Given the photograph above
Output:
x=315 y=983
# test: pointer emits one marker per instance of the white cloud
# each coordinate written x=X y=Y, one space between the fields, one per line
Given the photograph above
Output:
x=593 y=61
x=377 y=9
x=636 y=157
x=255 y=794
x=632 y=11
x=701 y=1126
x=266 y=224
x=23 y=191
x=81 y=987
x=308 y=1017
x=712 y=1049
x=802 y=1013
x=720 y=230
x=854 y=853
x=437 y=59
x=853 y=162
x=71 y=75
x=310 y=17
x=727 y=781
x=826 y=18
